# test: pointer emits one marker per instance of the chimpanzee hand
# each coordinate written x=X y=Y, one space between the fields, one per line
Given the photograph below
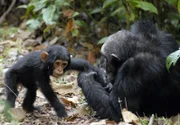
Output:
x=61 y=113
x=115 y=103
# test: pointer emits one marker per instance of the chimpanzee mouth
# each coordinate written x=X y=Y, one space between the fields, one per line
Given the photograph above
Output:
x=56 y=75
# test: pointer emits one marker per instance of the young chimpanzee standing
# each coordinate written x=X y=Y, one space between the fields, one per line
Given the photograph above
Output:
x=33 y=71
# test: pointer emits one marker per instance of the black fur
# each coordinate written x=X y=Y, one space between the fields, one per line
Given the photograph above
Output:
x=96 y=95
x=136 y=61
x=32 y=73
x=83 y=65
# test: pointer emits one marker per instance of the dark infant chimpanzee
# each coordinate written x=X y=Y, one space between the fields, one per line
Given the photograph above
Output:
x=33 y=71
x=135 y=65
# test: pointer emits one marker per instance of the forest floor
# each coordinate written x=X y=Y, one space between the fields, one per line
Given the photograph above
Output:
x=67 y=91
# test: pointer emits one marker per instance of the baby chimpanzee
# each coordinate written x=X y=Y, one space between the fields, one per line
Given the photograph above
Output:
x=33 y=71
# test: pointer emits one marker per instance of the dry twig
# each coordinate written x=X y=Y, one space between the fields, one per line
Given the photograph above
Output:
x=7 y=12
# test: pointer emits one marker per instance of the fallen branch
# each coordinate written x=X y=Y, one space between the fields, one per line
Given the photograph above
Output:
x=7 y=12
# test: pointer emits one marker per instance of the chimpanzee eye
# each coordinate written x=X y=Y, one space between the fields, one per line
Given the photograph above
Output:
x=64 y=64
x=57 y=63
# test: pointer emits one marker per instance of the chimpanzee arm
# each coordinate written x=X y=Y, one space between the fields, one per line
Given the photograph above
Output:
x=137 y=72
x=83 y=65
x=52 y=98
x=79 y=65
x=135 y=76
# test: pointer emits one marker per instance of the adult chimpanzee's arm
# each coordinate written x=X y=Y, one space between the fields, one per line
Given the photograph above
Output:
x=134 y=77
x=52 y=98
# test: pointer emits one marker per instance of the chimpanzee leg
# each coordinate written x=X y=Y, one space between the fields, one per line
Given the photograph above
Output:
x=11 y=88
x=29 y=99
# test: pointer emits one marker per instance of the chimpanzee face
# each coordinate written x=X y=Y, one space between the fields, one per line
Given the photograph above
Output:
x=59 y=66
x=56 y=58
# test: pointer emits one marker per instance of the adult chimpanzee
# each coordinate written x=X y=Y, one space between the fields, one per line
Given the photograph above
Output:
x=135 y=65
x=33 y=71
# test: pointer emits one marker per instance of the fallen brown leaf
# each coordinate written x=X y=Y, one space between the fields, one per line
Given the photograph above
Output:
x=130 y=117
x=82 y=109
x=17 y=113
x=52 y=42
x=24 y=35
x=63 y=89
x=68 y=103
x=101 y=122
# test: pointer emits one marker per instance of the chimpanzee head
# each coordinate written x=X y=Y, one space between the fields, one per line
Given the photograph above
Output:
x=117 y=48
x=57 y=59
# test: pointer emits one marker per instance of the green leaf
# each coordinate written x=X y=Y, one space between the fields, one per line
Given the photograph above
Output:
x=75 y=32
x=96 y=10
x=33 y=23
x=171 y=2
x=29 y=9
x=146 y=6
x=178 y=6
x=75 y=14
x=23 y=6
x=48 y=14
x=108 y=3
x=38 y=4
x=120 y=10
x=102 y=40
x=62 y=3
x=172 y=59
x=82 y=24
x=47 y=28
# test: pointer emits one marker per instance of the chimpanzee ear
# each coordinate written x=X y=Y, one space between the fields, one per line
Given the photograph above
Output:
x=44 y=56
x=115 y=57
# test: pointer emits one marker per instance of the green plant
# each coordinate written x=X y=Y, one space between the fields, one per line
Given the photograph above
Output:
x=48 y=11
x=172 y=59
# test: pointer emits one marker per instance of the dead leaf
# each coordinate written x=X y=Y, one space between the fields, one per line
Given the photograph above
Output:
x=68 y=103
x=40 y=47
x=71 y=118
x=68 y=13
x=130 y=117
x=40 y=94
x=110 y=122
x=24 y=35
x=87 y=45
x=12 y=43
x=124 y=123
x=52 y=42
x=29 y=43
x=39 y=39
x=69 y=27
x=63 y=89
x=19 y=41
x=17 y=113
x=74 y=99
x=175 y=120
x=91 y=57
x=101 y=122
x=82 y=109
